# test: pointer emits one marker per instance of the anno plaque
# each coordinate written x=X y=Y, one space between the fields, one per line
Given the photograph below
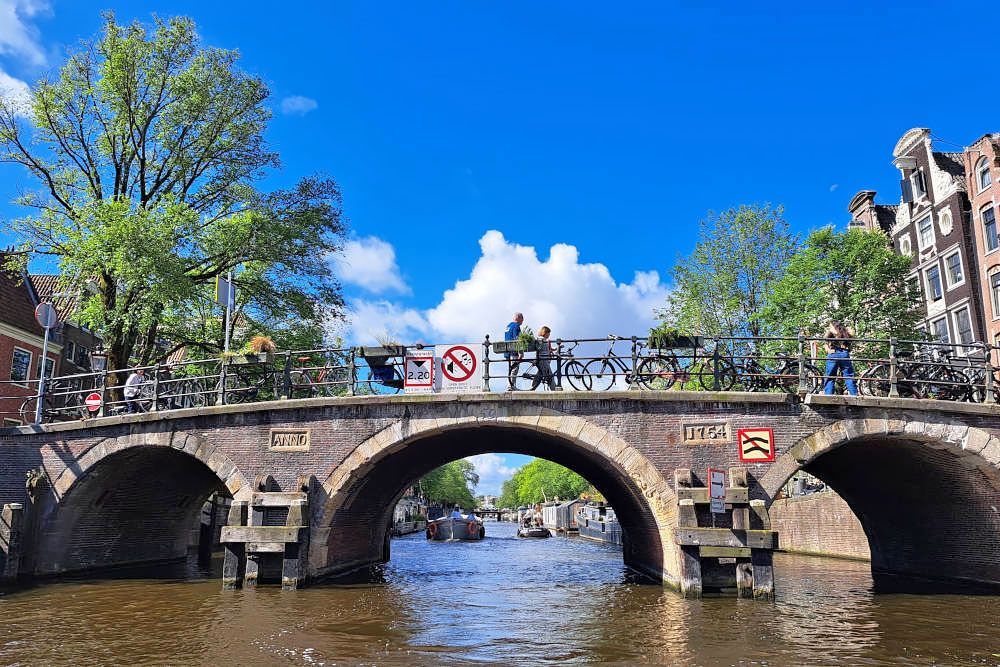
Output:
x=706 y=433
x=289 y=440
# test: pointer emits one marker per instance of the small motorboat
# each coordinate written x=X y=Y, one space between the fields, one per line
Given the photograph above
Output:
x=447 y=529
x=533 y=531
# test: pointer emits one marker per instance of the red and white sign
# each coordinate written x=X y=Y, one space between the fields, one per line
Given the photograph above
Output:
x=418 y=372
x=93 y=402
x=460 y=368
x=756 y=445
x=717 y=490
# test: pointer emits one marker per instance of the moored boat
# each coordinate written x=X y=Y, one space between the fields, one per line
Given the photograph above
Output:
x=533 y=531
x=447 y=529
x=598 y=522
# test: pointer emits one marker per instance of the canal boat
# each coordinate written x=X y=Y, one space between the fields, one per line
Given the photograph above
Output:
x=447 y=529
x=598 y=522
x=533 y=531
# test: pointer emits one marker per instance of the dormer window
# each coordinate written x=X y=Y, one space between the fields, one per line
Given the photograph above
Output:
x=983 y=176
x=919 y=186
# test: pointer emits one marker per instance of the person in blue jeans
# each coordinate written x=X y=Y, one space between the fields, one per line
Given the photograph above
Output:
x=838 y=358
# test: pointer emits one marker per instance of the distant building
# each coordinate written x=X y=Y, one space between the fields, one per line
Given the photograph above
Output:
x=982 y=174
x=931 y=225
x=77 y=340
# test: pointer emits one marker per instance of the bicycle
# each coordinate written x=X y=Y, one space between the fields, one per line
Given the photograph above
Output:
x=755 y=376
x=328 y=379
x=603 y=371
x=56 y=392
x=663 y=369
x=928 y=375
x=524 y=375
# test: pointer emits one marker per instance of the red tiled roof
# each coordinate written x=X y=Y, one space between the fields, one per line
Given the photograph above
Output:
x=46 y=286
x=17 y=308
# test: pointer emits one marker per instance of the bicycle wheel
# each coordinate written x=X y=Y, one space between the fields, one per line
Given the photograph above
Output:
x=192 y=393
x=523 y=376
x=947 y=384
x=657 y=373
x=706 y=375
x=389 y=381
x=874 y=381
x=300 y=385
x=600 y=373
x=575 y=374
x=237 y=389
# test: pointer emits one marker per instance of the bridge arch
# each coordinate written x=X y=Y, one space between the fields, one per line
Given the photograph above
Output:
x=361 y=491
x=925 y=488
x=130 y=499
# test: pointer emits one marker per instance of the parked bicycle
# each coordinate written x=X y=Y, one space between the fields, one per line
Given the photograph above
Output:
x=928 y=373
x=330 y=379
x=754 y=375
x=524 y=374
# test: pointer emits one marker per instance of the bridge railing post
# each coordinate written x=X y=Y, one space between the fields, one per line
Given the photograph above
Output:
x=352 y=369
x=104 y=393
x=893 y=369
x=803 y=380
x=486 y=363
x=286 y=380
x=988 y=393
x=559 y=364
x=634 y=377
x=716 y=386
x=221 y=394
x=156 y=390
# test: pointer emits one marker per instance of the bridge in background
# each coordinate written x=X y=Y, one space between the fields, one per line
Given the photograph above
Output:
x=313 y=482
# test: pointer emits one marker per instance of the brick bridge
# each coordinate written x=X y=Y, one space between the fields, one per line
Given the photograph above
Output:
x=314 y=481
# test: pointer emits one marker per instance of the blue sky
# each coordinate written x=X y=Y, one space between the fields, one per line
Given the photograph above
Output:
x=470 y=138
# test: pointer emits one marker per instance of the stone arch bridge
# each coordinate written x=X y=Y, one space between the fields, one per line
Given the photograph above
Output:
x=314 y=481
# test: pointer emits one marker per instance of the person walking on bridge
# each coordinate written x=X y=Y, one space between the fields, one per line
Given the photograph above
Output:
x=838 y=358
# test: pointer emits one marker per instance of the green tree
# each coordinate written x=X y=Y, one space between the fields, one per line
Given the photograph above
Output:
x=452 y=484
x=147 y=148
x=540 y=479
x=720 y=289
x=853 y=277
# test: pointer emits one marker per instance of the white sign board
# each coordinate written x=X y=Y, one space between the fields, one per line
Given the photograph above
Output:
x=460 y=368
x=717 y=490
x=225 y=293
x=418 y=372
x=93 y=402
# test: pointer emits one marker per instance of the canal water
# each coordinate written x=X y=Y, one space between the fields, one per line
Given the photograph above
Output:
x=504 y=601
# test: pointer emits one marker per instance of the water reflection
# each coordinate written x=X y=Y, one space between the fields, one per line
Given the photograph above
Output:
x=503 y=600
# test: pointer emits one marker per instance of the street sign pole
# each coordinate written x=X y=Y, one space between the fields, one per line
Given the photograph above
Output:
x=41 y=377
x=229 y=303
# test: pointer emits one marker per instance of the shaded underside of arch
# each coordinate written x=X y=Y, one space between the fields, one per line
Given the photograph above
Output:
x=136 y=505
x=358 y=525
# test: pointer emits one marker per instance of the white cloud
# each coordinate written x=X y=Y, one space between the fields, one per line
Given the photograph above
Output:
x=576 y=300
x=297 y=105
x=370 y=263
x=492 y=472
x=18 y=37
x=15 y=91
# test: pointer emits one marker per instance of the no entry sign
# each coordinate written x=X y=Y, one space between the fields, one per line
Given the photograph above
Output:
x=460 y=367
x=93 y=402
x=418 y=372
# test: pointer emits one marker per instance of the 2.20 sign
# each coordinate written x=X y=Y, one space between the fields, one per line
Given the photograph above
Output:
x=418 y=371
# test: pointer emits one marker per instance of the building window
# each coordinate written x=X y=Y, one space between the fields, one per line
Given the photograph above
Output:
x=953 y=264
x=913 y=284
x=939 y=330
x=82 y=358
x=983 y=176
x=11 y=422
x=934 y=283
x=50 y=365
x=963 y=326
x=925 y=232
x=990 y=228
x=944 y=222
x=919 y=186
x=995 y=293
x=904 y=245
x=20 y=366
x=69 y=350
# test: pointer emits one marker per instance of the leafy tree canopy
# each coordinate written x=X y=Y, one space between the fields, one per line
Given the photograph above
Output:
x=147 y=148
x=452 y=484
x=720 y=289
x=540 y=479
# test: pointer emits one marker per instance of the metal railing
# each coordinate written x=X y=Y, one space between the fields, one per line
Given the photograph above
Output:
x=797 y=366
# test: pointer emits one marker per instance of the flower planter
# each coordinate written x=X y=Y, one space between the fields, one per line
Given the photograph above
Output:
x=517 y=346
x=380 y=356
x=252 y=358
x=673 y=342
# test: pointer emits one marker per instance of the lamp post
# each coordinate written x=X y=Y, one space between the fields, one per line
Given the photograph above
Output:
x=99 y=364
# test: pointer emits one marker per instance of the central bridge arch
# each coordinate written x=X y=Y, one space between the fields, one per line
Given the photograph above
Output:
x=349 y=533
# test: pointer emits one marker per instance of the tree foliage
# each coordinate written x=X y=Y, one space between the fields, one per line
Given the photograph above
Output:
x=452 y=484
x=540 y=479
x=147 y=148
x=720 y=289
x=853 y=277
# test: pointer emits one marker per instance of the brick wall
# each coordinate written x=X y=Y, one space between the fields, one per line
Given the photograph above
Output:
x=820 y=524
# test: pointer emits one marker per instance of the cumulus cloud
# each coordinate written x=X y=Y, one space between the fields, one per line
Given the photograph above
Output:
x=297 y=105
x=577 y=300
x=15 y=91
x=18 y=37
x=370 y=263
x=492 y=472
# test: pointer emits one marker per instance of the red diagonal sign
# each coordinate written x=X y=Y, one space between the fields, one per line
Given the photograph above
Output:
x=456 y=369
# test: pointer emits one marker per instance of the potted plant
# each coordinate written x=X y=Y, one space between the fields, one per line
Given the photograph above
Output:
x=260 y=350
x=663 y=337
x=524 y=342
x=378 y=357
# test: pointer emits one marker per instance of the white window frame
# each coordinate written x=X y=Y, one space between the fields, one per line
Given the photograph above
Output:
x=942 y=216
x=920 y=237
x=947 y=273
x=994 y=295
x=983 y=167
x=917 y=177
x=31 y=359
x=43 y=362
x=905 y=247
x=929 y=291
x=931 y=328
x=958 y=329
x=982 y=221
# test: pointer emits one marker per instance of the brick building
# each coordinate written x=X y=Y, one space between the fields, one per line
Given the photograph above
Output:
x=20 y=346
x=982 y=169
x=931 y=224
x=77 y=340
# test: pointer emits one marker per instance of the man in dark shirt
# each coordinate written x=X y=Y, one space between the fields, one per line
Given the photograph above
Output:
x=512 y=332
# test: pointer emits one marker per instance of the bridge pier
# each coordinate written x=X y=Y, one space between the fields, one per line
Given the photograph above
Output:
x=11 y=525
x=723 y=551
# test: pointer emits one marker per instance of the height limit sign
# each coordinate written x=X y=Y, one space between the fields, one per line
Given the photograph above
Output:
x=461 y=369
x=418 y=372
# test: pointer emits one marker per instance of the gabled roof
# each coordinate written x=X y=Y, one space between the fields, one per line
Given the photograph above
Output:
x=951 y=163
x=46 y=286
x=17 y=308
x=885 y=214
